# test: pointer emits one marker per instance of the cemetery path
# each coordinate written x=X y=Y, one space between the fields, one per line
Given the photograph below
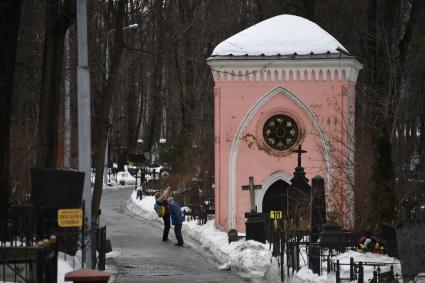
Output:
x=143 y=257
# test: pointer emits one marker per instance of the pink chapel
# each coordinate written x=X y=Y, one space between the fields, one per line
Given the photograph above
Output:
x=282 y=83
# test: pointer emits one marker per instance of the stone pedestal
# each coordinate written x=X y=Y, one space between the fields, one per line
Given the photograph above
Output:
x=255 y=227
x=331 y=236
x=318 y=209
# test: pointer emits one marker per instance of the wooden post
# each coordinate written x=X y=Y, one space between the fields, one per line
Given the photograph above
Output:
x=351 y=268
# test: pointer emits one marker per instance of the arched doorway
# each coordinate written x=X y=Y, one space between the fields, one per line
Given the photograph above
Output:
x=276 y=197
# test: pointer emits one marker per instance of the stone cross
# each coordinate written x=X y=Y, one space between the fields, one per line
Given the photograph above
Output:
x=251 y=187
x=299 y=151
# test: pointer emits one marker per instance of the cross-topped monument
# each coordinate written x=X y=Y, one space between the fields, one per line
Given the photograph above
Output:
x=299 y=180
x=300 y=152
x=251 y=187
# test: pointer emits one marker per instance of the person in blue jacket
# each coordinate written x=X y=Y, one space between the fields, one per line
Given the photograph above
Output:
x=176 y=220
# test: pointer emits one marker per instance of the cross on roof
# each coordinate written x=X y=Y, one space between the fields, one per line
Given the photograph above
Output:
x=299 y=151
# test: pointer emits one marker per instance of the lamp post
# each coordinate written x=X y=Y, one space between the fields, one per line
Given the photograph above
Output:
x=105 y=165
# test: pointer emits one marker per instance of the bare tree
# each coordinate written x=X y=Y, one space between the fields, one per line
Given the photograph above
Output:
x=9 y=29
x=118 y=12
x=58 y=18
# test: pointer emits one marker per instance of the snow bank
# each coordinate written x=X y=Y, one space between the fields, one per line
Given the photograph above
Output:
x=63 y=268
x=253 y=257
x=306 y=275
x=367 y=257
x=243 y=256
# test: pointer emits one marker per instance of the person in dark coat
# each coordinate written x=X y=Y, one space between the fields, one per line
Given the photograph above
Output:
x=161 y=199
x=176 y=220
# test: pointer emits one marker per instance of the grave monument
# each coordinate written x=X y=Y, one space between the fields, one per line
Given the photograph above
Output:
x=278 y=84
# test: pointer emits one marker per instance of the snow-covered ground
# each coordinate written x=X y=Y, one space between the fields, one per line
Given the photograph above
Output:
x=123 y=179
x=250 y=257
x=67 y=264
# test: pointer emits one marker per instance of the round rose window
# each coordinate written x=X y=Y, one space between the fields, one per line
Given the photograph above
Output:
x=280 y=132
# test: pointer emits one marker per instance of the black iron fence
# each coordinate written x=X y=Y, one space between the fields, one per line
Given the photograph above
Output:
x=357 y=271
x=298 y=249
x=29 y=264
x=25 y=255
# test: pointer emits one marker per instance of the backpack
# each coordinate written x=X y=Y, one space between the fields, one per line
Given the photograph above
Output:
x=159 y=209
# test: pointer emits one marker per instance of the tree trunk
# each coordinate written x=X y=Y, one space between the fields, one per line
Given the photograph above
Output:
x=57 y=22
x=308 y=9
x=153 y=124
x=10 y=12
x=106 y=106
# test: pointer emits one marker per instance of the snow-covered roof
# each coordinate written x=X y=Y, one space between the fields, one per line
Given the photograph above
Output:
x=280 y=35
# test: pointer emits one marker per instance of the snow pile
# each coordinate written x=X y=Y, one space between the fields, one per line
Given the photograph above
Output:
x=143 y=207
x=255 y=258
x=63 y=268
x=284 y=34
x=367 y=257
x=125 y=178
x=245 y=256
x=306 y=275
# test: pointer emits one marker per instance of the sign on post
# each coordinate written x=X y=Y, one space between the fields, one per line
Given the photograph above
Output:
x=70 y=217
x=274 y=214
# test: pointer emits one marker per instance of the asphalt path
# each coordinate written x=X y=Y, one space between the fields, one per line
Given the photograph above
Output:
x=141 y=256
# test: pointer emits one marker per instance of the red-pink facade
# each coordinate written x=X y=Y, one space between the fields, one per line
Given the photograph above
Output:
x=317 y=92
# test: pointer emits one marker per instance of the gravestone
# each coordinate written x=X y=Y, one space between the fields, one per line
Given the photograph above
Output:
x=255 y=227
x=255 y=223
x=318 y=209
x=251 y=187
x=411 y=245
x=54 y=189
x=389 y=238
x=331 y=236
x=299 y=193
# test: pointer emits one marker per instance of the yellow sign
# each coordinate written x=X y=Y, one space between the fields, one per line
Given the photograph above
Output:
x=275 y=214
x=70 y=217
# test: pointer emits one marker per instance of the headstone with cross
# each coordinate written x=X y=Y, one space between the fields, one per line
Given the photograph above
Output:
x=300 y=151
x=251 y=187
x=299 y=181
x=299 y=192
x=255 y=223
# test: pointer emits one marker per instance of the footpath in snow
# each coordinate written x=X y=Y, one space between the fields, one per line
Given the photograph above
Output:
x=252 y=258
